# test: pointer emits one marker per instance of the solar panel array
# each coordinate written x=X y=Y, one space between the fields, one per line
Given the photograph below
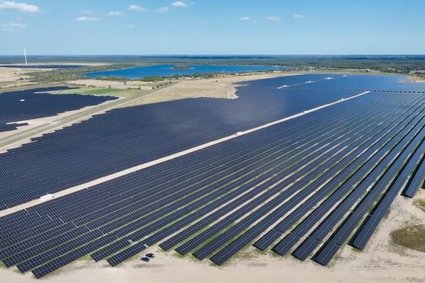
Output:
x=127 y=137
x=307 y=187
x=36 y=103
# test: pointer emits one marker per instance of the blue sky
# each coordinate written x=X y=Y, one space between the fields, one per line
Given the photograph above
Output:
x=212 y=27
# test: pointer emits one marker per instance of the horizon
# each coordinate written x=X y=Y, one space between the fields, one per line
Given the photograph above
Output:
x=218 y=55
x=170 y=28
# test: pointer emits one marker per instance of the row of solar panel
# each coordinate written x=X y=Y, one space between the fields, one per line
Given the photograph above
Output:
x=89 y=150
x=161 y=222
x=132 y=196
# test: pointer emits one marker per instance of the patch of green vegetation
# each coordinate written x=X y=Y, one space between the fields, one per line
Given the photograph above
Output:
x=97 y=92
x=420 y=203
x=153 y=79
x=412 y=237
x=86 y=258
x=102 y=91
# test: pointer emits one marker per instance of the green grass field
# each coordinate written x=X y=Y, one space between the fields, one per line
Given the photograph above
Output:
x=420 y=203
x=412 y=237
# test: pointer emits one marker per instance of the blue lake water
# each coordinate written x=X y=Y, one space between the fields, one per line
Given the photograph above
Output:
x=172 y=70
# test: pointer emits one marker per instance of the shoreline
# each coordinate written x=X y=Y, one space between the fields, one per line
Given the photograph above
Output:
x=415 y=79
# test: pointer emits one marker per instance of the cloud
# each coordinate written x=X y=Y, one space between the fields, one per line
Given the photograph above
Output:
x=136 y=8
x=87 y=19
x=86 y=12
x=179 y=4
x=12 y=26
x=21 y=7
x=298 y=16
x=244 y=18
x=116 y=13
x=131 y=26
x=272 y=19
x=163 y=9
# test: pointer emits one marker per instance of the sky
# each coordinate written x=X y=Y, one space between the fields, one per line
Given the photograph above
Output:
x=168 y=27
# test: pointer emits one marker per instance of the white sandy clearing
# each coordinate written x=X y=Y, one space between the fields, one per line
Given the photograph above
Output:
x=381 y=262
x=14 y=77
x=415 y=79
x=222 y=86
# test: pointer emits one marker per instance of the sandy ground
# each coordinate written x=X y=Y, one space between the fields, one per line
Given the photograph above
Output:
x=13 y=77
x=220 y=87
x=415 y=79
x=382 y=261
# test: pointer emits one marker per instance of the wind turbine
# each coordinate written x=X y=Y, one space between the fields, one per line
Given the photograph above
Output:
x=25 y=54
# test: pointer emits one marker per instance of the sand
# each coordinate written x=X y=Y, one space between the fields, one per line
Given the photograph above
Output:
x=223 y=87
x=14 y=77
x=415 y=79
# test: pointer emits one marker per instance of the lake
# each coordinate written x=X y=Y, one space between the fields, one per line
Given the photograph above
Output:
x=140 y=72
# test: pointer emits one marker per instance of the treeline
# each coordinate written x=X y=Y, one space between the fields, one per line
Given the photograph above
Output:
x=68 y=74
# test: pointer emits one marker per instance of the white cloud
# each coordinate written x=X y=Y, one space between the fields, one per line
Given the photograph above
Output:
x=298 y=16
x=202 y=23
x=179 y=4
x=12 y=26
x=272 y=19
x=244 y=18
x=131 y=26
x=87 y=19
x=163 y=9
x=21 y=7
x=116 y=13
x=136 y=8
